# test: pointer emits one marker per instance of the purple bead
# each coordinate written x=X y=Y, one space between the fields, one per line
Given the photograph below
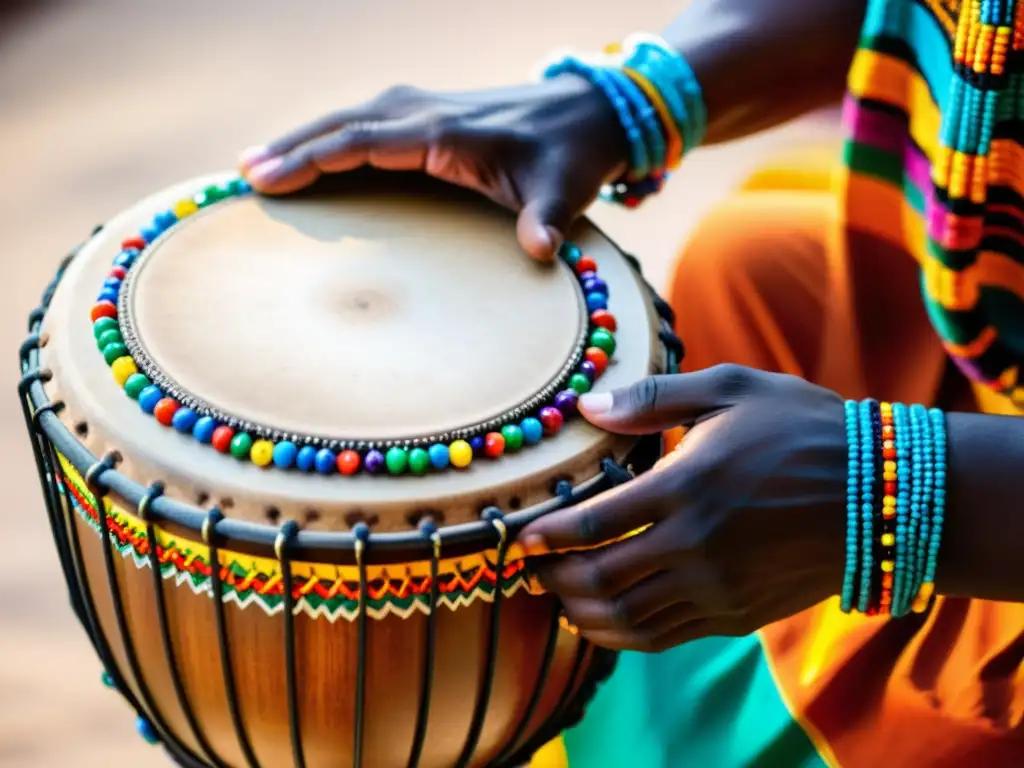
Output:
x=374 y=462
x=595 y=285
x=587 y=276
x=566 y=402
x=588 y=369
x=477 y=444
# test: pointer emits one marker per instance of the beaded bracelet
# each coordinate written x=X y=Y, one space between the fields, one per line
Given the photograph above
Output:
x=660 y=106
x=895 y=506
x=639 y=159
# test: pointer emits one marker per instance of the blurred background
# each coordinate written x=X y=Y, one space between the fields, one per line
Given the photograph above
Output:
x=105 y=101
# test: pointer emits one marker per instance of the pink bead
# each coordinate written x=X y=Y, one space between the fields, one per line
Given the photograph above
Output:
x=552 y=420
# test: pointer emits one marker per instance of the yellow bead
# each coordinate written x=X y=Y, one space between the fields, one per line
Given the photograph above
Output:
x=460 y=453
x=261 y=453
x=887 y=566
x=927 y=588
x=888 y=539
x=919 y=605
x=889 y=466
x=889 y=501
x=122 y=368
x=184 y=208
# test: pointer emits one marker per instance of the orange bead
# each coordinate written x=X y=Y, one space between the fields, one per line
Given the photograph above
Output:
x=598 y=358
x=103 y=309
x=165 y=410
x=890 y=488
x=887 y=580
x=494 y=444
x=889 y=454
x=888 y=432
x=348 y=462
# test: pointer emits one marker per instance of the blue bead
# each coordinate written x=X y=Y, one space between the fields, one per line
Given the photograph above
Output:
x=149 y=234
x=305 y=460
x=108 y=294
x=439 y=457
x=112 y=282
x=107 y=680
x=149 y=397
x=184 y=419
x=146 y=730
x=595 y=285
x=533 y=430
x=596 y=301
x=477 y=444
x=126 y=257
x=285 y=453
x=164 y=220
x=571 y=253
x=326 y=461
x=203 y=429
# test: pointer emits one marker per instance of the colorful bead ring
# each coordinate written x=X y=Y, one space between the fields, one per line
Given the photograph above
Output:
x=542 y=416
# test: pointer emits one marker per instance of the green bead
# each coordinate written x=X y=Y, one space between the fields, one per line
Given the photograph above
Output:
x=580 y=383
x=112 y=336
x=103 y=325
x=113 y=351
x=236 y=187
x=241 y=444
x=603 y=339
x=419 y=461
x=135 y=384
x=209 y=196
x=513 y=437
x=571 y=254
x=397 y=460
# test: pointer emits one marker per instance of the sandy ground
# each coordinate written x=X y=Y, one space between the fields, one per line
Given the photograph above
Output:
x=104 y=101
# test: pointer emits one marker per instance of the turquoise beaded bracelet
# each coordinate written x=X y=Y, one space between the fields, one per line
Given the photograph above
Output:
x=895 y=506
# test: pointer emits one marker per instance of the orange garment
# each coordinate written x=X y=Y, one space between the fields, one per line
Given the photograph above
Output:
x=771 y=280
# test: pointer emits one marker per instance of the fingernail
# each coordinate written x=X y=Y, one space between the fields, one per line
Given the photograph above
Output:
x=596 y=403
x=534 y=545
x=265 y=170
x=254 y=156
x=554 y=238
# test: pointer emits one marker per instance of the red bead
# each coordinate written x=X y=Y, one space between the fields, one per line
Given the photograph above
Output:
x=119 y=272
x=586 y=264
x=348 y=462
x=494 y=444
x=890 y=488
x=602 y=318
x=133 y=242
x=222 y=437
x=872 y=611
x=552 y=420
x=889 y=454
x=598 y=358
x=164 y=411
x=103 y=309
x=887 y=580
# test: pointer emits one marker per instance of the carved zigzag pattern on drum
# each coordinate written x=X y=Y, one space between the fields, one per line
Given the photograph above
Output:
x=246 y=580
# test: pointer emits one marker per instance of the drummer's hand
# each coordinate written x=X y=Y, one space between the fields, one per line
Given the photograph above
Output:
x=543 y=150
x=747 y=515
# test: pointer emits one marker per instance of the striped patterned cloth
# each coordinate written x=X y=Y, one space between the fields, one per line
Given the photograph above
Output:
x=934 y=162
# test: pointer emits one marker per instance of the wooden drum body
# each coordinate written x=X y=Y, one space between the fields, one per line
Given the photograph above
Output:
x=366 y=613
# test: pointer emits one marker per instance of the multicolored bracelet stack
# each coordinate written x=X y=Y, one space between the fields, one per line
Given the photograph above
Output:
x=659 y=104
x=895 y=506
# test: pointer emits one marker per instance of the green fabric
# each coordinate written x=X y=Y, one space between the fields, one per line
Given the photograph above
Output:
x=711 y=703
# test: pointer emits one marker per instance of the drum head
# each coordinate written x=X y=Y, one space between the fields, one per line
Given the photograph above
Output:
x=382 y=312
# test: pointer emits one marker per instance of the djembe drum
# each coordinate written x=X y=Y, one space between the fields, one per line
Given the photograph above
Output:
x=285 y=448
